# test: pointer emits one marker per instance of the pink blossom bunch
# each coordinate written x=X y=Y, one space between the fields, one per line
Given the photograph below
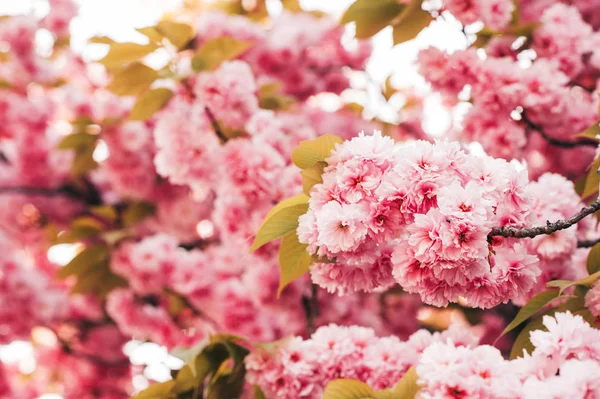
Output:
x=495 y=14
x=418 y=214
x=564 y=363
x=299 y=368
x=306 y=61
x=58 y=19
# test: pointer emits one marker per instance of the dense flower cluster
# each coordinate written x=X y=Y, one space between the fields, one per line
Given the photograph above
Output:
x=420 y=214
x=564 y=363
x=302 y=368
x=517 y=97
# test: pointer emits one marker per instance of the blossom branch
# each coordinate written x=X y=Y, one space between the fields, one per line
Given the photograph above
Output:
x=587 y=243
x=215 y=124
x=46 y=192
x=549 y=228
x=530 y=125
x=311 y=308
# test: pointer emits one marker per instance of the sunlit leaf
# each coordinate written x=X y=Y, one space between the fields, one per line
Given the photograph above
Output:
x=592 y=180
x=411 y=21
x=149 y=103
x=161 y=390
x=564 y=284
x=294 y=260
x=407 y=387
x=213 y=52
x=534 y=305
x=177 y=33
x=593 y=260
x=312 y=176
x=124 y=53
x=592 y=132
x=371 y=16
x=135 y=78
x=153 y=35
x=310 y=152
x=348 y=389
x=281 y=220
x=85 y=261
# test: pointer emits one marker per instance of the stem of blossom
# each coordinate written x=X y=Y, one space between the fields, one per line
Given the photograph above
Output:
x=215 y=124
x=311 y=308
x=587 y=243
x=46 y=192
x=554 y=141
x=549 y=228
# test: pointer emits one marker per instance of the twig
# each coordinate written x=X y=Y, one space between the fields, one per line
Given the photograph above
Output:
x=215 y=124
x=46 y=192
x=587 y=243
x=549 y=228
x=4 y=158
x=311 y=308
x=553 y=140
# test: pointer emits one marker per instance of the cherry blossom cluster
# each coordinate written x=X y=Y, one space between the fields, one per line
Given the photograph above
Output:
x=418 y=214
x=565 y=362
x=299 y=368
x=306 y=61
x=524 y=94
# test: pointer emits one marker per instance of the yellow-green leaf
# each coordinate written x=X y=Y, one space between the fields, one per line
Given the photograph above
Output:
x=291 y=5
x=135 y=78
x=136 y=212
x=185 y=380
x=177 y=33
x=407 y=387
x=371 y=16
x=101 y=40
x=388 y=90
x=564 y=284
x=310 y=152
x=593 y=260
x=411 y=21
x=534 y=305
x=591 y=132
x=212 y=53
x=278 y=225
x=106 y=212
x=77 y=140
x=348 y=389
x=592 y=180
x=124 y=53
x=312 y=176
x=84 y=161
x=523 y=342
x=161 y=390
x=153 y=35
x=149 y=103
x=85 y=261
x=300 y=199
x=294 y=260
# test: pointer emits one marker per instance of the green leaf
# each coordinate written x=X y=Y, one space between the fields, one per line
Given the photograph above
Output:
x=77 y=140
x=213 y=52
x=269 y=97
x=523 y=342
x=153 y=35
x=258 y=393
x=132 y=80
x=124 y=53
x=591 y=132
x=280 y=220
x=136 y=212
x=371 y=16
x=77 y=234
x=348 y=389
x=310 y=152
x=101 y=40
x=160 y=390
x=84 y=161
x=291 y=5
x=88 y=221
x=85 y=261
x=89 y=282
x=149 y=103
x=407 y=387
x=564 y=284
x=294 y=260
x=312 y=176
x=593 y=260
x=106 y=212
x=177 y=33
x=534 y=305
x=411 y=21
x=185 y=380
x=592 y=181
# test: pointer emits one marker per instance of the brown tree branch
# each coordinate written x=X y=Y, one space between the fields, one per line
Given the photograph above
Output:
x=215 y=124
x=587 y=243
x=45 y=192
x=530 y=125
x=549 y=228
x=311 y=308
